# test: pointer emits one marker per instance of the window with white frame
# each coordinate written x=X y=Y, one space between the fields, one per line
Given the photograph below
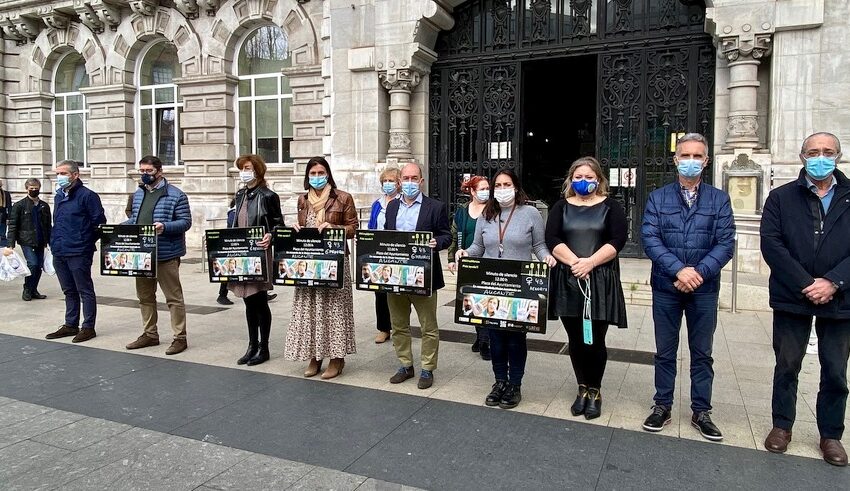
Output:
x=159 y=104
x=264 y=97
x=69 y=109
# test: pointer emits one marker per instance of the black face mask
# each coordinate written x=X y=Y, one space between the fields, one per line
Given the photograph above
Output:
x=34 y=193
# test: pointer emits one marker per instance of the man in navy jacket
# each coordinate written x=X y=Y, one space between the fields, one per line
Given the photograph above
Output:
x=688 y=232
x=805 y=229
x=77 y=214
x=417 y=212
x=166 y=207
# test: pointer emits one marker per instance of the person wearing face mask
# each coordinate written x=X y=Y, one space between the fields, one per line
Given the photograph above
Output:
x=5 y=210
x=391 y=189
x=510 y=229
x=30 y=226
x=586 y=231
x=463 y=231
x=322 y=321
x=416 y=212
x=77 y=214
x=805 y=228
x=689 y=234
x=161 y=204
x=256 y=206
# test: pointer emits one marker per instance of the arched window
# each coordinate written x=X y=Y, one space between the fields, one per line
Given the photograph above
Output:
x=264 y=96
x=69 y=109
x=159 y=104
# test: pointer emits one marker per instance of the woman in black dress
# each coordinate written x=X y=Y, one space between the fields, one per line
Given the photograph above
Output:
x=585 y=232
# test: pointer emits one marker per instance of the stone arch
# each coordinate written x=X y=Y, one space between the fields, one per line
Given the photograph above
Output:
x=51 y=44
x=136 y=30
x=236 y=17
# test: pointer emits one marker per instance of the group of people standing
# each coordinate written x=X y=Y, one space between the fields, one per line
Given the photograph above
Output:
x=687 y=232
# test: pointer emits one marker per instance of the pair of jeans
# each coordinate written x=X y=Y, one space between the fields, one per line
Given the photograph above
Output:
x=74 y=273
x=700 y=311
x=790 y=337
x=168 y=278
x=509 y=353
x=35 y=263
x=588 y=360
x=426 y=310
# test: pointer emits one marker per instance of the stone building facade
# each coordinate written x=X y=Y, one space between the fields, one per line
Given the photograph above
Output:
x=201 y=81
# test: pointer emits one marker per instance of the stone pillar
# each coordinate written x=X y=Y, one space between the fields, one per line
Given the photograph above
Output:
x=744 y=52
x=400 y=84
x=27 y=144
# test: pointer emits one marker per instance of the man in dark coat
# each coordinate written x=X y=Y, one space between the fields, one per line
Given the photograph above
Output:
x=805 y=229
x=689 y=234
x=29 y=227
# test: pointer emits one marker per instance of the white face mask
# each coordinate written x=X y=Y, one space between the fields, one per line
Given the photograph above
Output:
x=246 y=176
x=504 y=196
x=483 y=195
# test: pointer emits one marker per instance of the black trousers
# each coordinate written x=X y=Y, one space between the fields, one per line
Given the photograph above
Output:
x=588 y=360
x=259 y=317
x=382 y=312
x=790 y=337
x=222 y=290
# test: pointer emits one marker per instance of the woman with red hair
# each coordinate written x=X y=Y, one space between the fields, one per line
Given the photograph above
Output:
x=463 y=230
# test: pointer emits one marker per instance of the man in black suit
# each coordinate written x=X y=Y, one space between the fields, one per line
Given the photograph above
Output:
x=416 y=212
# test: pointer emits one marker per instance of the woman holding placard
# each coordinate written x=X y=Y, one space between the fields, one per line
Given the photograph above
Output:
x=390 y=179
x=510 y=229
x=585 y=232
x=322 y=322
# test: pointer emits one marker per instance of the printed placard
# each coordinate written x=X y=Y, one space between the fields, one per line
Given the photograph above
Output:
x=309 y=257
x=234 y=254
x=502 y=294
x=128 y=250
x=394 y=262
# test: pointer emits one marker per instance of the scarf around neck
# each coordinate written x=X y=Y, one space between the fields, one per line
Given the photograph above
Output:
x=318 y=200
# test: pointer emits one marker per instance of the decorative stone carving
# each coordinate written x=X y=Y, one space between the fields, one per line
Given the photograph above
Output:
x=211 y=6
x=144 y=7
x=20 y=29
x=89 y=17
x=109 y=15
x=189 y=8
x=400 y=84
x=400 y=141
x=742 y=126
x=405 y=79
x=755 y=46
x=53 y=18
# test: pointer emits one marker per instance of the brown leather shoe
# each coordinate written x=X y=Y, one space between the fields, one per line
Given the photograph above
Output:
x=833 y=452
x=177 y=346
x=777 y=440
x=313 y=368
x=84 y=335
x=334 y=368
x=143 y=342
x=382 y=337
x=63 y=332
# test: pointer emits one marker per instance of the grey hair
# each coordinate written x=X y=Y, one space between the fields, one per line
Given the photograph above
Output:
x=820 y=133
x=419 y=166
x=692 y=137
x=32 y=182
x=70 y=164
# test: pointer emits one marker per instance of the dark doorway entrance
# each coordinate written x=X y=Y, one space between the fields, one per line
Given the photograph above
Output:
x=559 y=121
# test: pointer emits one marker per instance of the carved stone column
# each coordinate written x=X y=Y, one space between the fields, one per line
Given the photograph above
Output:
x=744 y=51
x=400 y=84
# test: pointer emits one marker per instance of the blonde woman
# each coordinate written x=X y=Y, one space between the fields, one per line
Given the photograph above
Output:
x=390 y=189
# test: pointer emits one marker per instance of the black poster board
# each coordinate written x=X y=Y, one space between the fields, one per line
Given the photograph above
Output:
x=309 y=257
x=502 y=294
x=128 y=250
x=394 y=262
x=234 y=255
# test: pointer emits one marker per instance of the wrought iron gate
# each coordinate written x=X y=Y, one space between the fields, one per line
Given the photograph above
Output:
x=655 y=76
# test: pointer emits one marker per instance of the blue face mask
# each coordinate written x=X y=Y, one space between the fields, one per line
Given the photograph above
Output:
x=410 y=189
x=389 y=188
x=63 y=181
x=483 y=195
x=819 y=168
x=318 y=182
x=584 y=187
x=689 y=168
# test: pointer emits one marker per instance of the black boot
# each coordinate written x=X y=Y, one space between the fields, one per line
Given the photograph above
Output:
x=495 y=395
x=511 y=397
x=580 y=404
x=36 y=295
x=594 y=404
x=261 y=356
x=485 y=351
x=252 y=351
x=26 y=296
x=476 y=346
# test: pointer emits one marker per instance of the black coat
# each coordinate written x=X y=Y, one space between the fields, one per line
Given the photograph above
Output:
x=800 y=243
x=21 y=229
x=434 y=218
x=263 y=207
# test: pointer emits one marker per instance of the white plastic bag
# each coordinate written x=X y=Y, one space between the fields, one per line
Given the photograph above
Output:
x=48 y=262
x=11 y=267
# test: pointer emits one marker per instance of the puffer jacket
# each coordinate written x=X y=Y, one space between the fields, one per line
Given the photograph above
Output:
x=675 y=236
x=173 y=212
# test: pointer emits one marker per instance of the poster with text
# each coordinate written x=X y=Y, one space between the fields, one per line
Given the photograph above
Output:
x=128 y=250
x=502 y=294
x=234 y=254
x=309 y=257
x=394 y=262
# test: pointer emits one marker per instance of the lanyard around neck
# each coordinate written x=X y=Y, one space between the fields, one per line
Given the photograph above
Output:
x=504 y=229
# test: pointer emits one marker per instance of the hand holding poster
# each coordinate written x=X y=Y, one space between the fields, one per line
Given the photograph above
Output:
x=394 y=262
x=502 y=294
x=309 y=257
x=128 y=250
x=235 y=256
